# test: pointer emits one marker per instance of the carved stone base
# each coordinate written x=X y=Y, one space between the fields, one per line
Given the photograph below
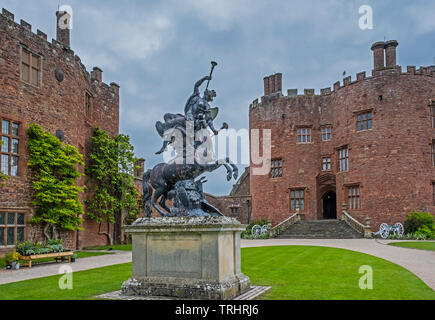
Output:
x=183 y=288
x=187 y=258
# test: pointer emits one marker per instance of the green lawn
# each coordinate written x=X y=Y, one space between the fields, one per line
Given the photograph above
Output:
x=121 y=247
x=86 y=285
x=294 y=272
x=422 y=245
x=317 y=273
x=79 y=255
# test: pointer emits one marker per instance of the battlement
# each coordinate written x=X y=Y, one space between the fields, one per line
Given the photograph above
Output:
x=347 y=81
x=383 y=52
x=61 y=48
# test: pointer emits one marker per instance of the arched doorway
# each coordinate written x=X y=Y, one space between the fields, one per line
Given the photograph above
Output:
x=329 y=205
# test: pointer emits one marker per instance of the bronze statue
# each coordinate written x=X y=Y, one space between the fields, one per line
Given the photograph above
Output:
x=176 y=180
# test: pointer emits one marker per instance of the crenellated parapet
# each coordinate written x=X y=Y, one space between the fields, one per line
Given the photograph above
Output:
x=385 y=64
x=57 y=46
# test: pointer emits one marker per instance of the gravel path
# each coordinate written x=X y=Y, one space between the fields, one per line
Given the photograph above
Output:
x=419 y=262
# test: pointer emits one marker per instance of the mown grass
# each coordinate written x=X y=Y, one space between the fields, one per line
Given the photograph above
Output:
x=120 y=247
x=422 y=245
x=294 y=272
x=317 y=273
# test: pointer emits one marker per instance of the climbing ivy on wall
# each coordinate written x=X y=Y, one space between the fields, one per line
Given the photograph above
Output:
x=3 y=177
x=56 y=196
x=111 y=180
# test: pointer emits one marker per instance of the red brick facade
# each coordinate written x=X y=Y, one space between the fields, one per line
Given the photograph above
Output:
x=238 y=203
x=390 y=165
x=58 y=102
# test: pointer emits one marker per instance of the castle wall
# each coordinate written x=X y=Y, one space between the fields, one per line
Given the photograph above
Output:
x=391 y=163
x=55 y=105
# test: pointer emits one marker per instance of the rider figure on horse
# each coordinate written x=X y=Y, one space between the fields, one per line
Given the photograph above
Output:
x=197 y=110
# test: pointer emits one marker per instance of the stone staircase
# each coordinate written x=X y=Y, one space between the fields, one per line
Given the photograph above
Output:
x=320 y=229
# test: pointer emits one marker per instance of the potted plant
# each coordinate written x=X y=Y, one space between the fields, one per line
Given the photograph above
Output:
x=8 y=260
x=74 y=257
x=16 y=259
x=11 y=260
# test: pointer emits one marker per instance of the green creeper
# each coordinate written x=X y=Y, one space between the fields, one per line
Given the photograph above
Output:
x=111 y=181
x=3 y=177
x=56 y=195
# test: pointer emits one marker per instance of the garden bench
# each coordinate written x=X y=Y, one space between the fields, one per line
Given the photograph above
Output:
x=56 y=256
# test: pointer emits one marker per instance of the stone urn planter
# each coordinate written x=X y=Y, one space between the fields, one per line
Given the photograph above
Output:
x=15 y=265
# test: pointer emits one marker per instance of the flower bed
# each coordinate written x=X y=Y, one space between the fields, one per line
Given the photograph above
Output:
x=27 y=248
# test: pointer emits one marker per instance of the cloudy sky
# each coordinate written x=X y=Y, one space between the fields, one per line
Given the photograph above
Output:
x=157 y=50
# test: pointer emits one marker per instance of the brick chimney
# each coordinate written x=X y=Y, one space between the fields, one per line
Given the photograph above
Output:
x=378 y=49
x=97 y=74
x=390 y=53
x=141 y=164
x=273 y=84
x=63 y=27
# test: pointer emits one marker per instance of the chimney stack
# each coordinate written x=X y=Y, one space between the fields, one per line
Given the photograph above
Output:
x=141 y=170
x=390 y=53
x=273 y=84
x=63 y=27
x=97 y=74
x=378 y=49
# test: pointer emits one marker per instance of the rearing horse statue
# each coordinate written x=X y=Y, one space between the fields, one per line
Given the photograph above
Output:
x=176 y=180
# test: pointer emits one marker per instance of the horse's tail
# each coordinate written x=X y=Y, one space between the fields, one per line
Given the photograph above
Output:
x=147 y=193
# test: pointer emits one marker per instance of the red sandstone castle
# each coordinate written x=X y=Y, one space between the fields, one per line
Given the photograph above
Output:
x=45 y=83
x=369 y=144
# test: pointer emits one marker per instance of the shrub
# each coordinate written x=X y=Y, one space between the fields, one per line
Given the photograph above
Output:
x=27 y=248
x=416 y=220
x=426 y=232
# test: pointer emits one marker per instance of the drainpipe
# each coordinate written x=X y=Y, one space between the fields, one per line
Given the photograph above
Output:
x=247 y=211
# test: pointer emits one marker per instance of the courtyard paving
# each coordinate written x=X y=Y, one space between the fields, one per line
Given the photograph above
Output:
x=419 y=262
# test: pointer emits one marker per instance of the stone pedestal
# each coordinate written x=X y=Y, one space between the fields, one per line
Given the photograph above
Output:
x=186 y=258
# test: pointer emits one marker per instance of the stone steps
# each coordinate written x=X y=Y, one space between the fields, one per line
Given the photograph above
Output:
x=320 y=229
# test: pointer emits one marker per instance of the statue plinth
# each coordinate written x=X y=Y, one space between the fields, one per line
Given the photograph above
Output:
x=186 y=258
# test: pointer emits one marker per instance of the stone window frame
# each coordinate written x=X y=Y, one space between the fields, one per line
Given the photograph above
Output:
x=328 y=163
x=353 y=200
x=10 y=154
x=322 y=128
x=340 y=158
x=432 y=144
x=88 y=103
x=15 y=226
x=433 y=192
x=432 y=113
x=308 y=134
x=234 y=211
x=32 y=53
x=367 y=120
x=274 y=168
x=298 y=199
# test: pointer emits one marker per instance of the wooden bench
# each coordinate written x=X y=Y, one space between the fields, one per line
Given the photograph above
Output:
x=56 y=256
